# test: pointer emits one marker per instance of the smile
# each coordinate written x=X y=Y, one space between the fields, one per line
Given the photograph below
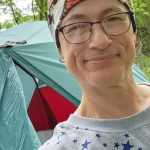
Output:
x=101 y=59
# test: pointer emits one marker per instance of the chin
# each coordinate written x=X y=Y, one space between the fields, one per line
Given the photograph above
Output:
x=108 y=78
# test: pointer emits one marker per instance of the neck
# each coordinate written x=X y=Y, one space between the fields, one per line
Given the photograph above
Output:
x=112 y=102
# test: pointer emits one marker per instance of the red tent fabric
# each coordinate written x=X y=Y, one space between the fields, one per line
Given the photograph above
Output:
x=47 y=108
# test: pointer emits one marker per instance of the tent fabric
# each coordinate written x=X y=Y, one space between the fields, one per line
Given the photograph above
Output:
x=16 y=130
x=29 y=86
x=39 y=55
x=42 y=62
x=56 y=107
x=45 y=135
x=139 y=76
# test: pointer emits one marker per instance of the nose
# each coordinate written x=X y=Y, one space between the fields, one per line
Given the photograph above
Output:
x=99 y=39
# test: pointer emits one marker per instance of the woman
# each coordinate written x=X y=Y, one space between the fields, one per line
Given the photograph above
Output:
x=96 y=40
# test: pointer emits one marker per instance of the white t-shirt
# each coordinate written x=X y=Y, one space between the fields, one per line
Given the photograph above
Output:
x=80 y=133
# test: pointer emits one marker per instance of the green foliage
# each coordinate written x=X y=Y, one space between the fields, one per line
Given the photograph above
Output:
x=9 y=7
x=38 y=8
x=143 y=62
x=145 y=40
x=7 y=24
x=142 y=11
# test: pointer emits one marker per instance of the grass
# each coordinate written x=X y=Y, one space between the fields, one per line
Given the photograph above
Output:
x=143 y=61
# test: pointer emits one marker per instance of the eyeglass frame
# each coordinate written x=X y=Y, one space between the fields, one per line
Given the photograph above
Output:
x=131 y=18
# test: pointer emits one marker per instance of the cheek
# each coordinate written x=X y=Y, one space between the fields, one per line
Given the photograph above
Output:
x=67 y=54
x=128 y=44
x=65 y=49
x=131 y=47
x=73 y=57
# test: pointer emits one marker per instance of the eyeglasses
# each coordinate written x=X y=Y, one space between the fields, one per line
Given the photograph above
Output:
x=112 y=25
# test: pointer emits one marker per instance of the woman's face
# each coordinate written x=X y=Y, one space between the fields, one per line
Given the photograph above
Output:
x=102 y=60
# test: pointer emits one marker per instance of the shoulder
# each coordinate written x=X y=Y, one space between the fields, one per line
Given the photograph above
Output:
x=58 y=141
x=65 y=137
x=145 y=89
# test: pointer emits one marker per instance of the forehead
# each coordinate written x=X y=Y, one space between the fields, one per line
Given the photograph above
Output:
x=93 y=9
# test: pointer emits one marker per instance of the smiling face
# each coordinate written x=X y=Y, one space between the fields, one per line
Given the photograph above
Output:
x=102 y=60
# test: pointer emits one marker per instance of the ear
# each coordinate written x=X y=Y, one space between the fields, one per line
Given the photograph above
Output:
x=137 y=41
x=138 y=44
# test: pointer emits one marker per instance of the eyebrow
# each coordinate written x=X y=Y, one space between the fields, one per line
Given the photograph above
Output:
x=76 y=16
x=112 y=9
x=105 y=12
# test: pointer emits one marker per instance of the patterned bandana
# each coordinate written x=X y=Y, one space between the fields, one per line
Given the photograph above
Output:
x=58 y=9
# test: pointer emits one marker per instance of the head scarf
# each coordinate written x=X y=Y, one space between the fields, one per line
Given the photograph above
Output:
x=58 y=9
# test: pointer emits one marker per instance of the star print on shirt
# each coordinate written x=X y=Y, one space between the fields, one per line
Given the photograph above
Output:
x=127 y=146
x=98 y=135
x=58 y=142
x=105 y=145
x=74 y=141
x=116 y=145
x=85 y=145
x=63 y=133
x=126 y=135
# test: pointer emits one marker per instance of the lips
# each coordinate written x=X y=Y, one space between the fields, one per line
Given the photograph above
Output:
x=101 y=58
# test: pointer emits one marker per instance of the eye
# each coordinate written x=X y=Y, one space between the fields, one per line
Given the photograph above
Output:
x=71 y=28
x=115 y=18
x=75 y=28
